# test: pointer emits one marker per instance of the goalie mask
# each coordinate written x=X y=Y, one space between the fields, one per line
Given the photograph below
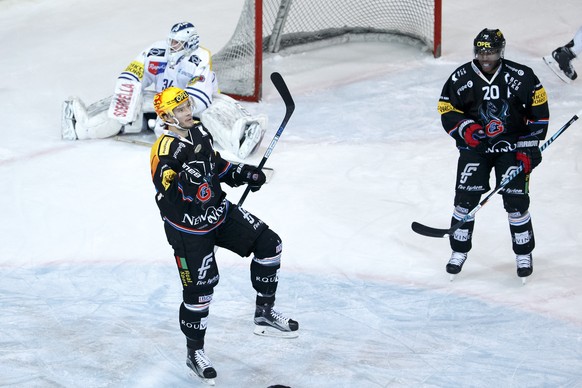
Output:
x=182 y=40
x=166 y=102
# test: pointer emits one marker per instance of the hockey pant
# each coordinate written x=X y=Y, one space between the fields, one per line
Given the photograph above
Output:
x=242 y=233
x=473 y=170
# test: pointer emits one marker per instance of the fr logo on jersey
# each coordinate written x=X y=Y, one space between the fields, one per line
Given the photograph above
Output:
x=469 y=169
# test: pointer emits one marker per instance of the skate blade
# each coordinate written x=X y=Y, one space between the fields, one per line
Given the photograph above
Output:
x=452 y=277
x=523 y=281
x=206 y=381
x=553 y=65
x=268 y=331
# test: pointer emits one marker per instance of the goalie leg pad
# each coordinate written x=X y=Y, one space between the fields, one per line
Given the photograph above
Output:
x=228 y=123
x=255 y=128
x=68 y=121
x=80 y=122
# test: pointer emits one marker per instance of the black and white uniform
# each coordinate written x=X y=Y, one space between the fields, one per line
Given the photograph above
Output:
x=187 y=174
x=512 y=107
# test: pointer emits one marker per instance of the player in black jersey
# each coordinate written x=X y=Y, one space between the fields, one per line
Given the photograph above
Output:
x=497 y=112
x=187 y=174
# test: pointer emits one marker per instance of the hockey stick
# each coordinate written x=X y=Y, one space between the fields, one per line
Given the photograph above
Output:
x=281 y=87
x=434 y=232
x=269 y=172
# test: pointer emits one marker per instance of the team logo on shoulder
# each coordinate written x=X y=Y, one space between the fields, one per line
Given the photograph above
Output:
x=156 y=52
x=195 y=59
x=156 y=68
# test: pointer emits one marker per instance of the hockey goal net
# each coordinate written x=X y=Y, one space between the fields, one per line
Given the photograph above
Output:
x=270 y=26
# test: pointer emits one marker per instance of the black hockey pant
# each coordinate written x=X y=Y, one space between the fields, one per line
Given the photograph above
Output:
x=242 y=233
x=473 y=171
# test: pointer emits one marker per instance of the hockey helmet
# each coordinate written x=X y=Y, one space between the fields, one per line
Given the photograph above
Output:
x=182 y=40
x=489 y=41
x=167 y=100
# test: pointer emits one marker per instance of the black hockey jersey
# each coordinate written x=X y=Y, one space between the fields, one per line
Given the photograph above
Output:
x=187 y=173
x=511 y=105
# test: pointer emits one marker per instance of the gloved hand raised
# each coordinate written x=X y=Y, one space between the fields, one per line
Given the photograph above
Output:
x=530 y=157
x=251 y=175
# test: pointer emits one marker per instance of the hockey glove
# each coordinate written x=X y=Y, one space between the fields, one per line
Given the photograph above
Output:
x=251 y=175
x=473 y=134
x=530 y=157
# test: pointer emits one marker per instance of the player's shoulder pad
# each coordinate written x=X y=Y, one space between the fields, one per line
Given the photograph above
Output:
x=163 y=146
x=200 y=57
x=460 y=73
x=157 y=49
x=517 y=69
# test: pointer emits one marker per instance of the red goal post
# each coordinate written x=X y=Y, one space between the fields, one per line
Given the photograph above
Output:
x=271 y=26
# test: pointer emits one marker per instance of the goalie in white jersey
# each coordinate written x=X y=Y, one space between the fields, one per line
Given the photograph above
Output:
x=181 y=62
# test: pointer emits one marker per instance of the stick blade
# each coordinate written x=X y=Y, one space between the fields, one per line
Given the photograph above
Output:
x=283 y=90
x=428 y=231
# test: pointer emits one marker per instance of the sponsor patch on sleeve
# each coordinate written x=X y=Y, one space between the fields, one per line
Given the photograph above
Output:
x=136 y=68
x=168 y=177
x=165 y=146
x=445 y=107
x=540 y=97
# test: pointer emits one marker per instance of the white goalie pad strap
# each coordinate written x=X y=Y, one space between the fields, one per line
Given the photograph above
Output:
x=126 y=102
x=227 y=122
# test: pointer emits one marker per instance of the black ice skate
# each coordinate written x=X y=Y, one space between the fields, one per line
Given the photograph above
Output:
x=560 y=63
x=564 y=56
x=455 y=263
x=201 y=365
x=271 y=323
x=524 y=266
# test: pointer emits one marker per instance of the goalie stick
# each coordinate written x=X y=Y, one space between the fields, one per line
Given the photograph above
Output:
x=281 y=87
x=435 y=232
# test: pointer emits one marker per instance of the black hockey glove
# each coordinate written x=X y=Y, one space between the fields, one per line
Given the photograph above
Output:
x=251 y=175
x=473 y=134
x=529 y=155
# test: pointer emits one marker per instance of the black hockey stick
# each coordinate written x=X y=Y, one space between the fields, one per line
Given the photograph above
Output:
x=434 y=232
x=281 y=87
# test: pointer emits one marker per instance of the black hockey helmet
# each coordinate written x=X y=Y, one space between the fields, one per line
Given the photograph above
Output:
x=489 y=41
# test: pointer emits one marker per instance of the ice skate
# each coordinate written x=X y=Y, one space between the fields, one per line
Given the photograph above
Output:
x=455 y=263
x=271 y=323
x=524 y=266
x=201 y=366
x=560 y=63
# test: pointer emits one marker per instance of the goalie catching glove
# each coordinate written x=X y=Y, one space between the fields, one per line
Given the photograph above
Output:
x=251 y=175
x=528 y=154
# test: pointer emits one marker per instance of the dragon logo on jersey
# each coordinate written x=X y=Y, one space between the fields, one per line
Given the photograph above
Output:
x=156 y=68
x=494 y=116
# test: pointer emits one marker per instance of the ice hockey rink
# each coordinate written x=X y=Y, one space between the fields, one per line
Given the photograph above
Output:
x=89 y=292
